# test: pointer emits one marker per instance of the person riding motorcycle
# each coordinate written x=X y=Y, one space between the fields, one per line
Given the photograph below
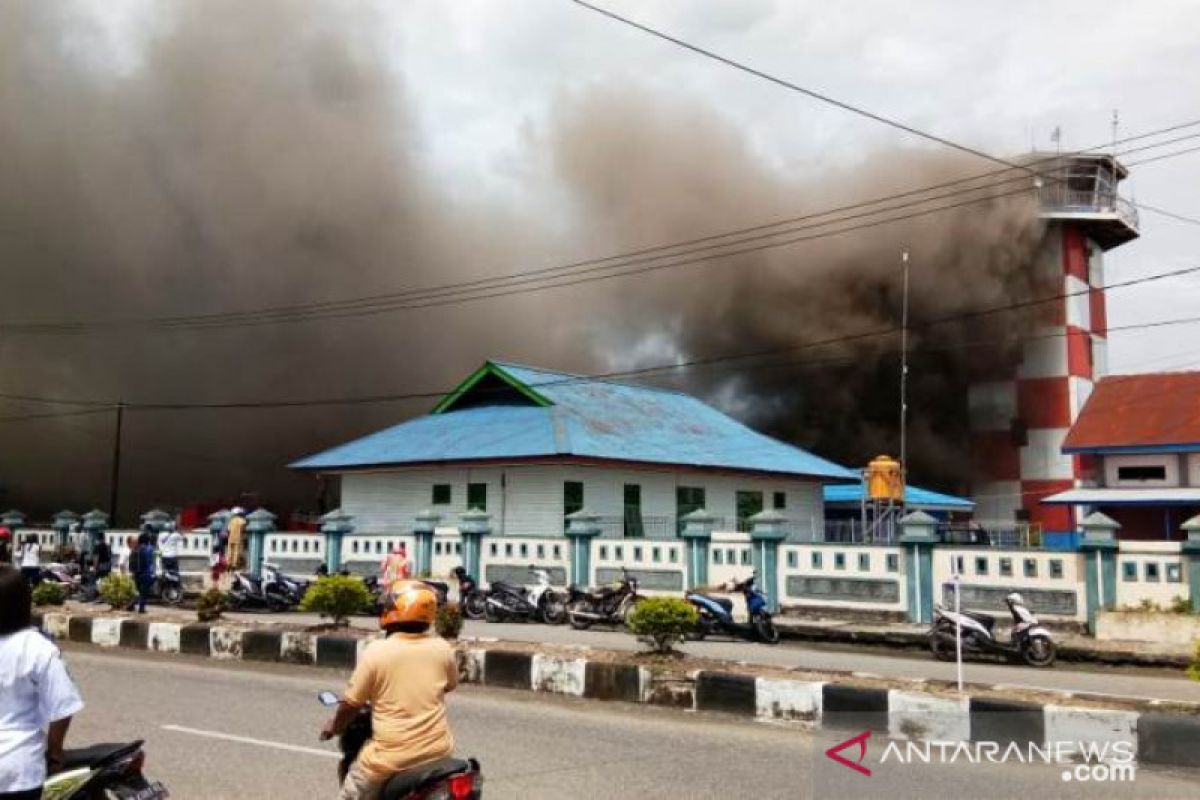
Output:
x=404 y=679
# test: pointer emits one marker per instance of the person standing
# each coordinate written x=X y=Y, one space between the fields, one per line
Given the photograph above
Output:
x=6 y=553
x=141 y=565
x=125 y=554
x=37 y=697
x=31 y=560
x=394 y=568
x=169 y=546
x=237 y=537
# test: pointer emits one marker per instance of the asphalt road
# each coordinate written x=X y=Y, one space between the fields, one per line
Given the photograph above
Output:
x=1154 y=684
x=237 y=730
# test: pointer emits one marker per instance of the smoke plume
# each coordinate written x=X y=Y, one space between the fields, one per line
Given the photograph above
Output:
x=248 y=155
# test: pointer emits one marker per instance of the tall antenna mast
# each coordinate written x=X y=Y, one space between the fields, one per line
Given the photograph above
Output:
x=904 y=373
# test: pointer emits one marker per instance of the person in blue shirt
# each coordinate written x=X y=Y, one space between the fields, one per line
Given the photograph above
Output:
x=141 y=567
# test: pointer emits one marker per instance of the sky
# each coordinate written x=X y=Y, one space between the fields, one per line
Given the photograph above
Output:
x=467 y=124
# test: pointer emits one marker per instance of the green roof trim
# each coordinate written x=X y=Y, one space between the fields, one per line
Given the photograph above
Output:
x=490 y=369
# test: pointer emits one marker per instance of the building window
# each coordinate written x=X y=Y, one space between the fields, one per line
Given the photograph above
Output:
x=748 y=504
x=687 y=500
x=981 y=565
x=779 y=501
x=477 y=496
x=893 y=562
x=673 y=553
x=492 y=549
x=1031 y=568
x=816 y=559
x=633 y=527
x=730 y=556
x=1129 y=571
x=604 y=552
x=1006 y=567
x=1142 y=473
x=864 y=562
x=1174 y=573
x=1056 y=568
x=508 y=550
x=541 y=551
x=441 y=494
x=745 y=558
x=839 y=560
x=572 y=497
x=717 y=557
x=619 y=553
x=656 y=554
x=1152 y=572
x=960 y=567
x=792 y=560
x=458 y=548
x=557 y=552
x=637 y=554
x=524 y=550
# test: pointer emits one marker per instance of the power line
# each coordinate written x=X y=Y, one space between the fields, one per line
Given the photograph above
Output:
x=57 y=414
x=480 y=288
x=698 y=362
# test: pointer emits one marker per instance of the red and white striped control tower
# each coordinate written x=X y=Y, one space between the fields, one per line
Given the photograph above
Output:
x=1019 y=421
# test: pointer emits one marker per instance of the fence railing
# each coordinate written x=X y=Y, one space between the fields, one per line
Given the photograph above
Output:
x=1024 y=535
x=637 y=526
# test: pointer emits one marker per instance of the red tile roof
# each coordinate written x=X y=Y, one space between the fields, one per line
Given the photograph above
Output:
x=1160 y=408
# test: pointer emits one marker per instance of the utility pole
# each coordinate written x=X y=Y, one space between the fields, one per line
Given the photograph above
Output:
x=115 y=481
x=904 y=374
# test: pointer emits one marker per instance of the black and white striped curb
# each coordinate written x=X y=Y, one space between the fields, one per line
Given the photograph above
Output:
x=1155 y=737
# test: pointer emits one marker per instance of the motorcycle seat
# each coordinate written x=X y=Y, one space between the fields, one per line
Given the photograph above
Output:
x=97 y=754
x=409 y=780
x=505 y=586
x=986 y=620
x=723 y=602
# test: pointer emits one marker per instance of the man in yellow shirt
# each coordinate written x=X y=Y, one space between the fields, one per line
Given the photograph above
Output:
x=237 y=537
x=404 y=678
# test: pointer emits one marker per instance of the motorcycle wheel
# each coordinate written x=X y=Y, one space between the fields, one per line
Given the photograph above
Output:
x=941 y=642
x=490 y=613
x=1039 y=651
x=276 y=604
x=553 y=610
x=697 y=634
x=765 y=628
x=474 y=606
x=172 y=594
x=577 y=622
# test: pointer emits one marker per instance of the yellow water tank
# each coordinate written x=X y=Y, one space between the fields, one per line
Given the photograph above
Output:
x=885 y=482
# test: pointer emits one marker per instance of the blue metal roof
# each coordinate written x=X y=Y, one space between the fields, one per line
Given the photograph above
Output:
x=585 y=417
x=914 y=497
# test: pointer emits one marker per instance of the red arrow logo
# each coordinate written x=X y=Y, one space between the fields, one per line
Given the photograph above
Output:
x=835 y=753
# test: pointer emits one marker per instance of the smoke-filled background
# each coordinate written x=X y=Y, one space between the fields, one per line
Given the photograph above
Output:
x=216 y=156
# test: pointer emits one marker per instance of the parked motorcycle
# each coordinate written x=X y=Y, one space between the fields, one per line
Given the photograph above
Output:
x=293 y=588
x=167 y=587
x=472 y=599
x=716 y=614
x=65 y=575
x=103 y=770
x=1028 y=640
x=607 y=605
x=538 y=602
x=445 y=779
x=247 y=591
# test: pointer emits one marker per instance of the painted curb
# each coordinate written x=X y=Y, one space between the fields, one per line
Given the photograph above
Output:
x=1155 y=737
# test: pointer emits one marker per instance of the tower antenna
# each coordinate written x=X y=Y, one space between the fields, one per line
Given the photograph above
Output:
x=904 y=374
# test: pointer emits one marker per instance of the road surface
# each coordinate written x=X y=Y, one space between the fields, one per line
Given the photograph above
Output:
x=1150 y=684
x=238 y=730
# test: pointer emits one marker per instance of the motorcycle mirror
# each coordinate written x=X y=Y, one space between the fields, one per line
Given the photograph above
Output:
x=328 y=698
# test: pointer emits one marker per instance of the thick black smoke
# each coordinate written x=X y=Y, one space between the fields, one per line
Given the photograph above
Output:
x=241 y=155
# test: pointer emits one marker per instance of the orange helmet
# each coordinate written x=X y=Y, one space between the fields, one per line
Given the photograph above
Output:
x=408 y=601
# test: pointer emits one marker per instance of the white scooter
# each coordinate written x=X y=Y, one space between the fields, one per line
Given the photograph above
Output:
x=1029 y=640
x=539 y=601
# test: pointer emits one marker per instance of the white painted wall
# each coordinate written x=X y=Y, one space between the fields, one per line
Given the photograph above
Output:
x=1113 y=463
x=1042 y=459
x=1151 y=571
x=842 y=561
x=947 y=560
x=528 y=500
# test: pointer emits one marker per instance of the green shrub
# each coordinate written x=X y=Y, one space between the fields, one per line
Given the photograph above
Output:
x=118 y=591
x=1181 y=605
x=48 y=593
x=1193 y=669
x=210 y=604
x=449 y=621
x=337 y=596
x=663 y=622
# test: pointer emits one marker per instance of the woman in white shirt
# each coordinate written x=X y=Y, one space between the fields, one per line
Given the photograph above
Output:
x=37 y=697
x=31 y=560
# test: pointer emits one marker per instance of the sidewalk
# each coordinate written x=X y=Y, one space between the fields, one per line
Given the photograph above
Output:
x=1071 y=646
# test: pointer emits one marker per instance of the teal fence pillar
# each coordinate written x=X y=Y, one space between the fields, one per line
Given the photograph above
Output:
x=157 y=519
x=13 y=520
x=473 y=526
x=918 y=537
x=582 y=527
x=1099 y=546
x=697 y=536
x=424 y=525
x=259 y=523
x=1191 y=559
x=335 y=525
x=63 y=522
x=767 y=529
x=95 y=525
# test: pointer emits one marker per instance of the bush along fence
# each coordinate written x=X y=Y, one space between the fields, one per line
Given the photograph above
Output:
x=1156 y=734
x=901 y=581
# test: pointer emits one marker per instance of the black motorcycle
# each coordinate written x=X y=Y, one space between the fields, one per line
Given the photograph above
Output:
x=472 y=599
x=249 y=592
x=538 y=602
x=103 y=770
x=166 y=588
x=606 y=605
x=444 y=779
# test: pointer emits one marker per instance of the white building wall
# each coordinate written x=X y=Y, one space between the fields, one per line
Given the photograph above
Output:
x=528 y=500
x=1169 y=462
x=1042 y=459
